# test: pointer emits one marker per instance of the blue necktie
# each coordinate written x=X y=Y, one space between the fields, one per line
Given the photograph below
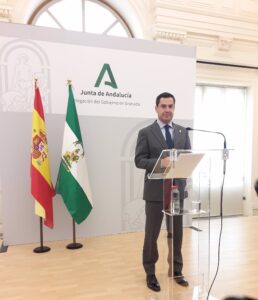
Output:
x=169 y=140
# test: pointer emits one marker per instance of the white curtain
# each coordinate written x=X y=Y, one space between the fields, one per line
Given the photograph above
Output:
x=223 y=109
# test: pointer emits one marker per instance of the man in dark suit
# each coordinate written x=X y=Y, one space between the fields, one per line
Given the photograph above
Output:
x=162 y=134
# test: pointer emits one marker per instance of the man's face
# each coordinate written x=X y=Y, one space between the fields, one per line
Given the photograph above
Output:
x=165 y=110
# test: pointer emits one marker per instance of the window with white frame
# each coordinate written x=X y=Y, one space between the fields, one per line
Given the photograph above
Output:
x=92 y=16
x=223 y=109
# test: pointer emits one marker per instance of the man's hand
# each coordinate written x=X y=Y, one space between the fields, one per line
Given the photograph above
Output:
x=165 y=162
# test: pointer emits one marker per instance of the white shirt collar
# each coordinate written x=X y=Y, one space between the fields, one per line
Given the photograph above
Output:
x=161 y=124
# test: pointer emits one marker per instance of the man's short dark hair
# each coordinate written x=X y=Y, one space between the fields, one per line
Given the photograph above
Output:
x=164 y=95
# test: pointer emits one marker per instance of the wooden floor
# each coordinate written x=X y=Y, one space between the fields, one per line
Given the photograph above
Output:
x=109 y=267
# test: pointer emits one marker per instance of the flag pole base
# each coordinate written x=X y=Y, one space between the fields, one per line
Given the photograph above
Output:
x=74 y=246
x=41 y=249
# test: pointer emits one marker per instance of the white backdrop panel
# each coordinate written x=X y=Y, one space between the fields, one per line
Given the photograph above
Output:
x=141 y=69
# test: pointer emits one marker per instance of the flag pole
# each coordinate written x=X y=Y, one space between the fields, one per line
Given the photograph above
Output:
x=72 y=180
x=41 y=248
x=41 y=189
x=74 y=245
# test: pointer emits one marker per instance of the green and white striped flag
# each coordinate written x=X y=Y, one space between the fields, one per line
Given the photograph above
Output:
x=72 y=181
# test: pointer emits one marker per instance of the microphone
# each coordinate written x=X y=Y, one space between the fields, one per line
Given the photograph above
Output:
x=216 y=132
x=225 y=150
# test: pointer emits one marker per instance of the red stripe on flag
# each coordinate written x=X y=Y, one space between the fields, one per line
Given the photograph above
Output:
x=43 y=193
x=38 y=104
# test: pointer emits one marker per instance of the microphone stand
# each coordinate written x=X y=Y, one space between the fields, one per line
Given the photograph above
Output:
x=225 y=150
x=225 y=158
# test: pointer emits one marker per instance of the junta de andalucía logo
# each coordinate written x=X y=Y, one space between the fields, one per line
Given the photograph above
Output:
x=112 y=82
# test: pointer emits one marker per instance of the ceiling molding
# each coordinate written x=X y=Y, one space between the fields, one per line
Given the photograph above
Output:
x=175 y=36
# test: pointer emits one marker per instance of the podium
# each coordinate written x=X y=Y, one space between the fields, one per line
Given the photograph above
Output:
x=191 y=173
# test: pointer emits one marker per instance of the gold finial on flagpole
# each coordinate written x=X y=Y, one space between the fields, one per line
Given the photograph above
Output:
x=69 y=82
x=36 y=82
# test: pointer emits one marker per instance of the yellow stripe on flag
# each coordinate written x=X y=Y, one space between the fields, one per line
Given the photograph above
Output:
x=43 y=167
x=39 y=210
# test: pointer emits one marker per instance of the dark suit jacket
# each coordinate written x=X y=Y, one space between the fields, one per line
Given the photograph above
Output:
x=150 y=144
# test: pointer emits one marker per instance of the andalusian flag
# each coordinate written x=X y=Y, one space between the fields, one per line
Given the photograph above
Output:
x=41 y=186
x=73 y=182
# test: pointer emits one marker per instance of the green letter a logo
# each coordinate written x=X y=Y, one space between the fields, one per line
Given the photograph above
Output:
x=112 y=82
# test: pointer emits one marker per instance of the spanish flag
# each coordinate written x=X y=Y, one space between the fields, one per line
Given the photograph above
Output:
x=41 y=186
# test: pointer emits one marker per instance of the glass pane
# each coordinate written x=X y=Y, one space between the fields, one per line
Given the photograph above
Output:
x=46 y=20
x=97 y=18
x=68 y=13
x=223 y=109
x=214 y=107
x=118 y=30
